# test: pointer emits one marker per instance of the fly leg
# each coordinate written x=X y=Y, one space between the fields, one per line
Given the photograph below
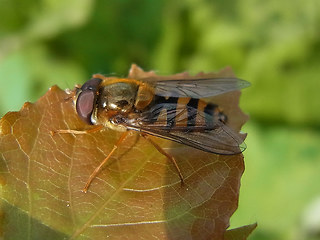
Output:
x=96 y=171
x=95 y=129
x=171 y=158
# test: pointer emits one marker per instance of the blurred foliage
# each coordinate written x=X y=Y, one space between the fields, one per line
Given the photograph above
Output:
x=273 y=44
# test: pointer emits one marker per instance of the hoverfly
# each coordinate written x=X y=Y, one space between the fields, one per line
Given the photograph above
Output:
x=169 y=109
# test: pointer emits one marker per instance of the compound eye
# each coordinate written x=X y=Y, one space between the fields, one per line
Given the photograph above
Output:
x=84 y=105
x=91 y=85
x=86 y=99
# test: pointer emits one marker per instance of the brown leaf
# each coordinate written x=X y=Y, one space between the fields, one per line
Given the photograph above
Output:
x=137 y=194
x=240 y=233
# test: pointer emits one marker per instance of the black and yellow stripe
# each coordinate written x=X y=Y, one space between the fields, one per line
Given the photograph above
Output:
x=185 y=114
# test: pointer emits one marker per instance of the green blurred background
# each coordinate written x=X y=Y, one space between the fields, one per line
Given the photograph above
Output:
x=273 y=44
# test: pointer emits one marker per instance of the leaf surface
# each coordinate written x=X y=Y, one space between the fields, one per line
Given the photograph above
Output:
x=240 y=233
x=137 y=194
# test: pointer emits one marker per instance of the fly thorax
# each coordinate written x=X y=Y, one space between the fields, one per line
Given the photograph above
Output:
x=118 y=97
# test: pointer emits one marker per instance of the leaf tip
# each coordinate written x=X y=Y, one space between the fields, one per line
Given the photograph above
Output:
x=240 y=233
x=5 y=127
x=26 y=105
x=54 y=88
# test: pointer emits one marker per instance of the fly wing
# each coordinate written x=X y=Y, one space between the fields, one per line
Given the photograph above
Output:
x=216 y=138
x=221 y=140
x=197 y=87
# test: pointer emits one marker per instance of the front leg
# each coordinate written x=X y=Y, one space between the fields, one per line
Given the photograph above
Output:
x=92 y=130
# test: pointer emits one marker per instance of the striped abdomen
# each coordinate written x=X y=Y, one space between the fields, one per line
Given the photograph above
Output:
x=188 y=114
